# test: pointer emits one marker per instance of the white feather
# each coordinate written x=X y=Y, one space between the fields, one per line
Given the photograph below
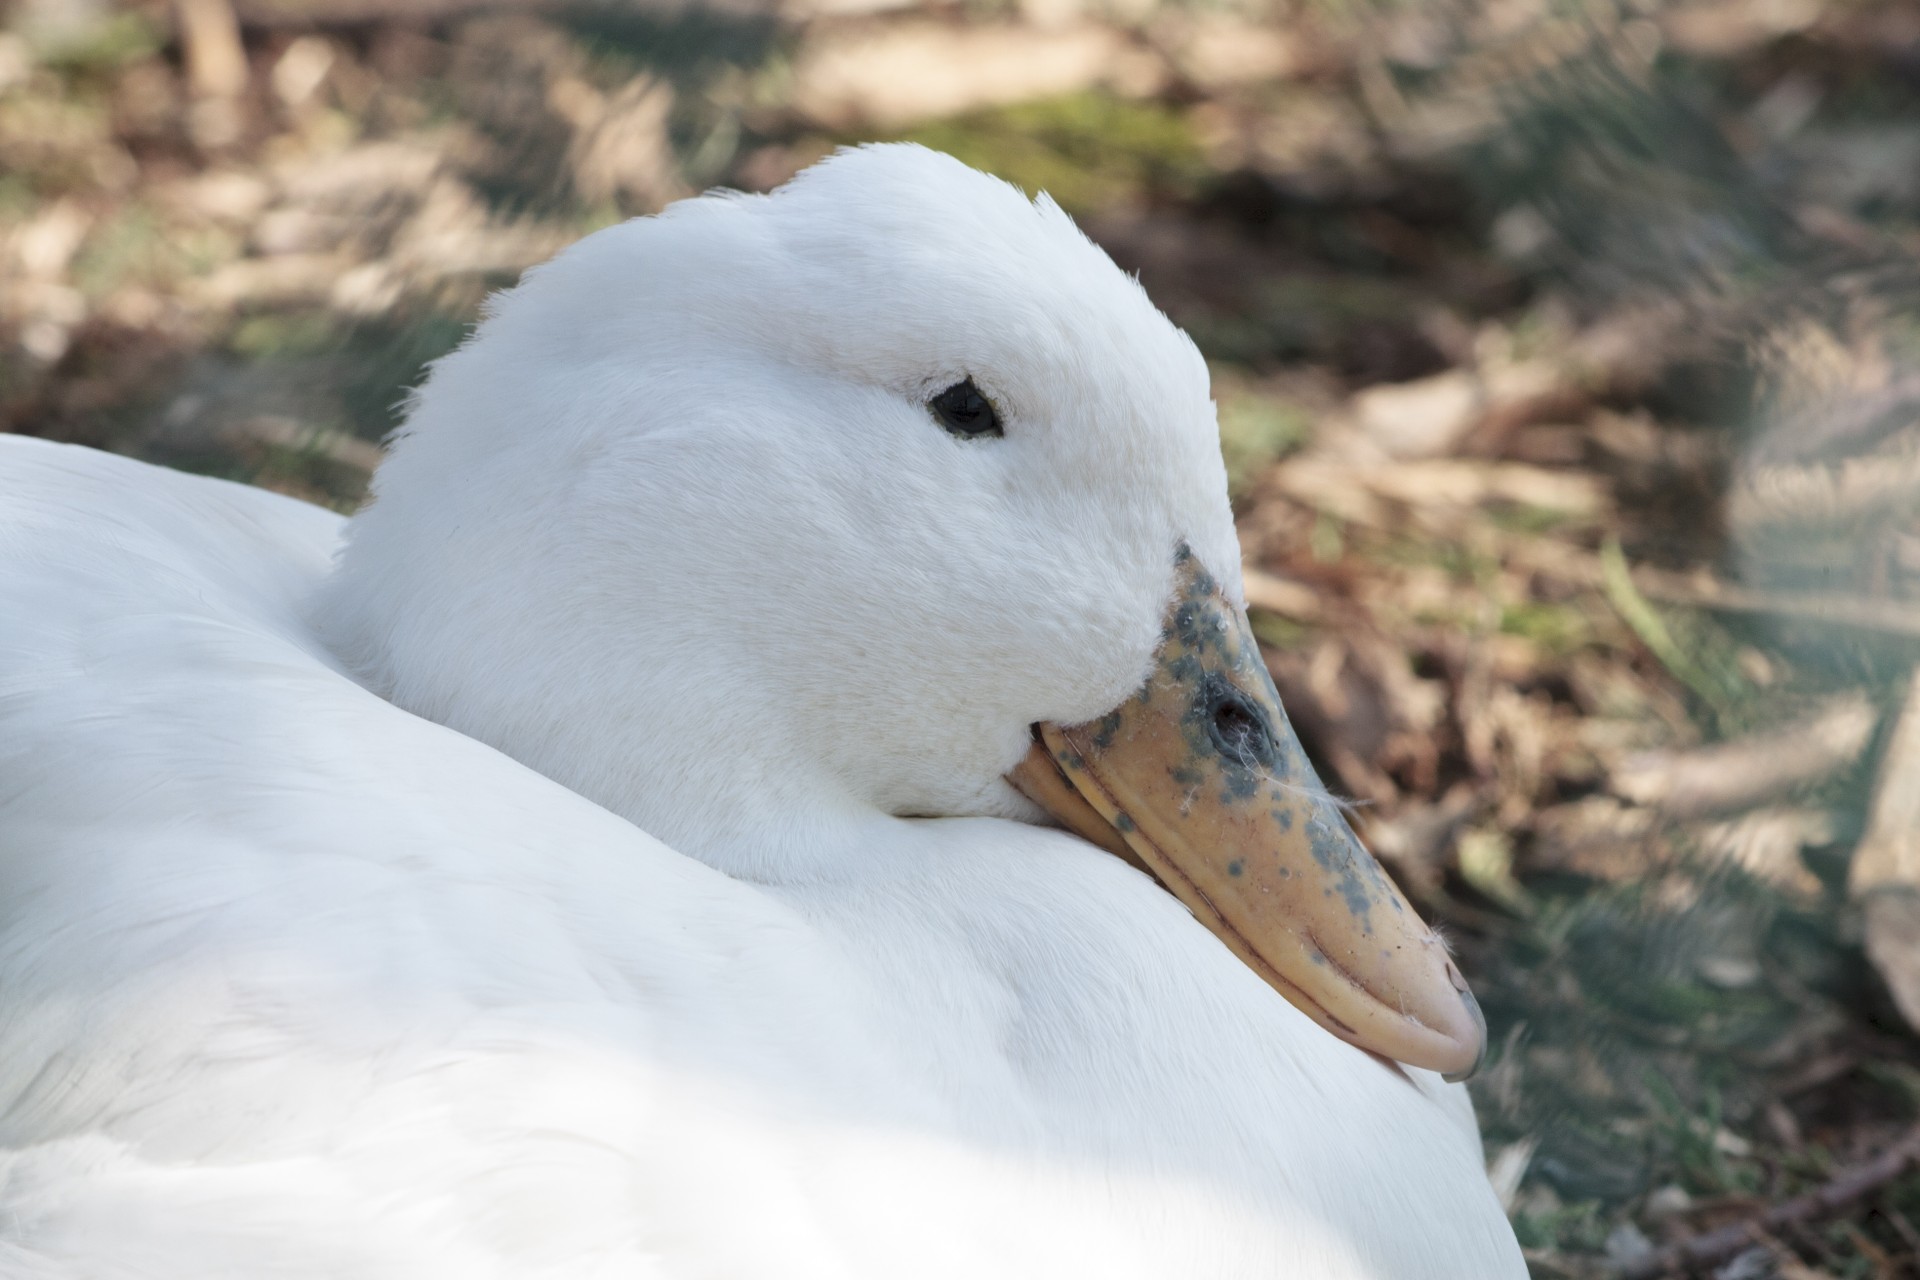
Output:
x=587 y=928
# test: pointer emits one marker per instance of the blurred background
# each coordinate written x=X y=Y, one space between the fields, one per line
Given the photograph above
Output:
x=1567 y=355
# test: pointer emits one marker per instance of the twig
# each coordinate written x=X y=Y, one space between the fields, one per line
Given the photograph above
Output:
x=1885 y=876
x=1283 y=596
x=1711 y=1247
x=216 y=59
x=1702 y=591
x=1901 y=1226
x=1861 y=613
x=1889 y=853
x=1728 y=777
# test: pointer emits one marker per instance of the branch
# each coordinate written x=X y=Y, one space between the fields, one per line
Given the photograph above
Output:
x=1885 y=876
x=1712 y=1247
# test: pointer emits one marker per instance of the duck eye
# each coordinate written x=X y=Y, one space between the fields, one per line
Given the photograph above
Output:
x=963 y=411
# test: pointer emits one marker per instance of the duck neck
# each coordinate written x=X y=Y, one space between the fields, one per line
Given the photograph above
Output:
x=749 y=810
x=707 y=767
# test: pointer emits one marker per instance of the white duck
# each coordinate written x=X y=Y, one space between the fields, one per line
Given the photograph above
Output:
x=652 y=900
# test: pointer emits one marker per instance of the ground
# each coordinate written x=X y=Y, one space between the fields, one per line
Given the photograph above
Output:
x=1568 y=364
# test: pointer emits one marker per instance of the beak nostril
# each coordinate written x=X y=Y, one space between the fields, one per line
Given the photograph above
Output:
x=1232 y=721
x=1238 y=731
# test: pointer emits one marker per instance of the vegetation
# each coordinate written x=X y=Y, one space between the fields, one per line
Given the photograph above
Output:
x=1568 y=365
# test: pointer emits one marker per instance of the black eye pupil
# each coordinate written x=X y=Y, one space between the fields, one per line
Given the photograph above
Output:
x=963 y=411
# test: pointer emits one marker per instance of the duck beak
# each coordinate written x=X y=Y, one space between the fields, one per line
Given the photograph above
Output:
x=1199 y=780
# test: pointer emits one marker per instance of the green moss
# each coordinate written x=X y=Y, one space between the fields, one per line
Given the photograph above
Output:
x=1255 y=431
x=1692 y=1137
x=1559 y=629
x=309 y=468
x=1276 y=632
x=1467 y=565
x=131 y=247
x=104 y=45
x=1087 y=150
x=300 y=333
x=1580 y=1227
x=1328 y=540
x=1304 y=315
x=1527 y=518
x=589 y=218
x=382 y=358
x=53 y=144
x=135 y=245
x=18 y=199
x=305 y=470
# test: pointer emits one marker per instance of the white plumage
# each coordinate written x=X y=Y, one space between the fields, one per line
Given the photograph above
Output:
x=648 y=901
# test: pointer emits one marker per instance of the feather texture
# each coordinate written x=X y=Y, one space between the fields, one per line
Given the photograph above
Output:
x=300 y=983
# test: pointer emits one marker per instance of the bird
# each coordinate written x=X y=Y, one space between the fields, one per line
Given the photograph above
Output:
x=670 y=831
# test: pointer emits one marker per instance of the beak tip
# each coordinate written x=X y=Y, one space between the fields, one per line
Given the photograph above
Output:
x=1478 y=1037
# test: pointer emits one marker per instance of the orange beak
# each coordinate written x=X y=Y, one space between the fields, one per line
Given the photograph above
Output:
x=1199 y=780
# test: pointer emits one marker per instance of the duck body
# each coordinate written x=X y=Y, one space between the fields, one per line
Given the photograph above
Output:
x=303 y=984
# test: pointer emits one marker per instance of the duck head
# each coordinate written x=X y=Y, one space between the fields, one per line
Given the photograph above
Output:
x=884 y=495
